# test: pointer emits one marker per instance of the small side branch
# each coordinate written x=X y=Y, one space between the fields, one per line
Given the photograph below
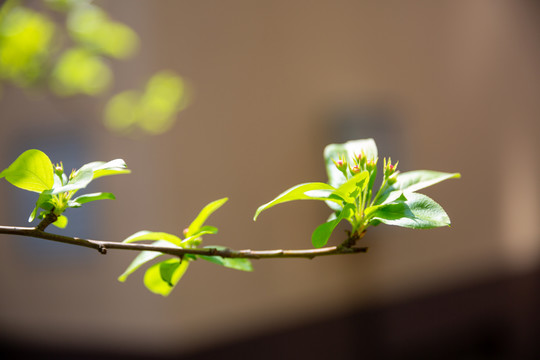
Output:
x=103 y=246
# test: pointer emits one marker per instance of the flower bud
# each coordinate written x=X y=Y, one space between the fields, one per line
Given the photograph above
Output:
x=59 y=169
x=389 y=169
x=354 y=170
x=341 y=164
x=371 y=165
x=185 y=231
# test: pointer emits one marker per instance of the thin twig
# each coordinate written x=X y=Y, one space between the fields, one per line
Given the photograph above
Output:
x=103 y=246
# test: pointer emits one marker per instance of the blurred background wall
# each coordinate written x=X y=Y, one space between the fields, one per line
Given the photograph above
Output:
x=447 y=85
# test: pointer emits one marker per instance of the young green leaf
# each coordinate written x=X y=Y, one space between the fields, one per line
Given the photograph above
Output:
x=162 y=277
x=196 y=224
x=83 y=199
x=149 y=235
x=61 y=222
x=300 y=192
x=194 y=239
x=233 y=263
x=32 y=171
x=81 y=179
x=322 y=233
x=143 y=258
x=101 y=168
x=417 y=212
x=352 y=188
x=347 y=150
x=43 y=203
x=412 y=181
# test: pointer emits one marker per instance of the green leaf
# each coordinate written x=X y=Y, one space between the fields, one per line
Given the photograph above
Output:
x=167 y=269
x=32 y=171
x=194 y=240
x=233 y=263
x=162 y=277
x=350 y=190
x=348 y=150
x=418 y=212
x=149 y=235
x=143 y=258
x=79 y=181
x=203 y=215
x=61 y=222
x=83 y=199
x=412 y=181
x=322 y=233
x=101 y=168
x=300 y=192
x=43 y=202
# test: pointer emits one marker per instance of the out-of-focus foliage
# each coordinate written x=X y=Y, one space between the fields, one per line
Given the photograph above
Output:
x=73 y=57
x=79 y=71
x=151 y=111
x=25 y=42
x=90 y=26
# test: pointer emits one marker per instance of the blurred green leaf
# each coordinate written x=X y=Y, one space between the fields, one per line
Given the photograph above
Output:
x=32 y=171
x=91 y=26
x=79 y=71
x=152 y=110
x=26 y=38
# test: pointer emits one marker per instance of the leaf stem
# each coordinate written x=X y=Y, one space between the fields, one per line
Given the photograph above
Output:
x=103 y=246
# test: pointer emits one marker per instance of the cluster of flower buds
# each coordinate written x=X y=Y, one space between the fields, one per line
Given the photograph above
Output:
x=390 y=172
x=360 y=163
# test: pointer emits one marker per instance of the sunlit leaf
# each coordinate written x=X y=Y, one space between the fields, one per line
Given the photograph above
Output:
x=83 y=199
x=43 y=202
x=143 y=258
x=418 y=212
x=233 y=263
x=61 y=222
x=32 y=171
x=322 y=233
x=196 y=224
x=154 y=279
x=101 y=168
x=352 y=188
x=80 y=180
x=412 y=181
x=300 y=192
x=150 y=235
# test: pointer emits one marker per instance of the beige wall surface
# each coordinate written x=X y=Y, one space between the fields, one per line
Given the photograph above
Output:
x=459 y=81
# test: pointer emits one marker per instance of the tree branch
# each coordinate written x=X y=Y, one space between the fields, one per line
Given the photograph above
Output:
x=103 y=246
